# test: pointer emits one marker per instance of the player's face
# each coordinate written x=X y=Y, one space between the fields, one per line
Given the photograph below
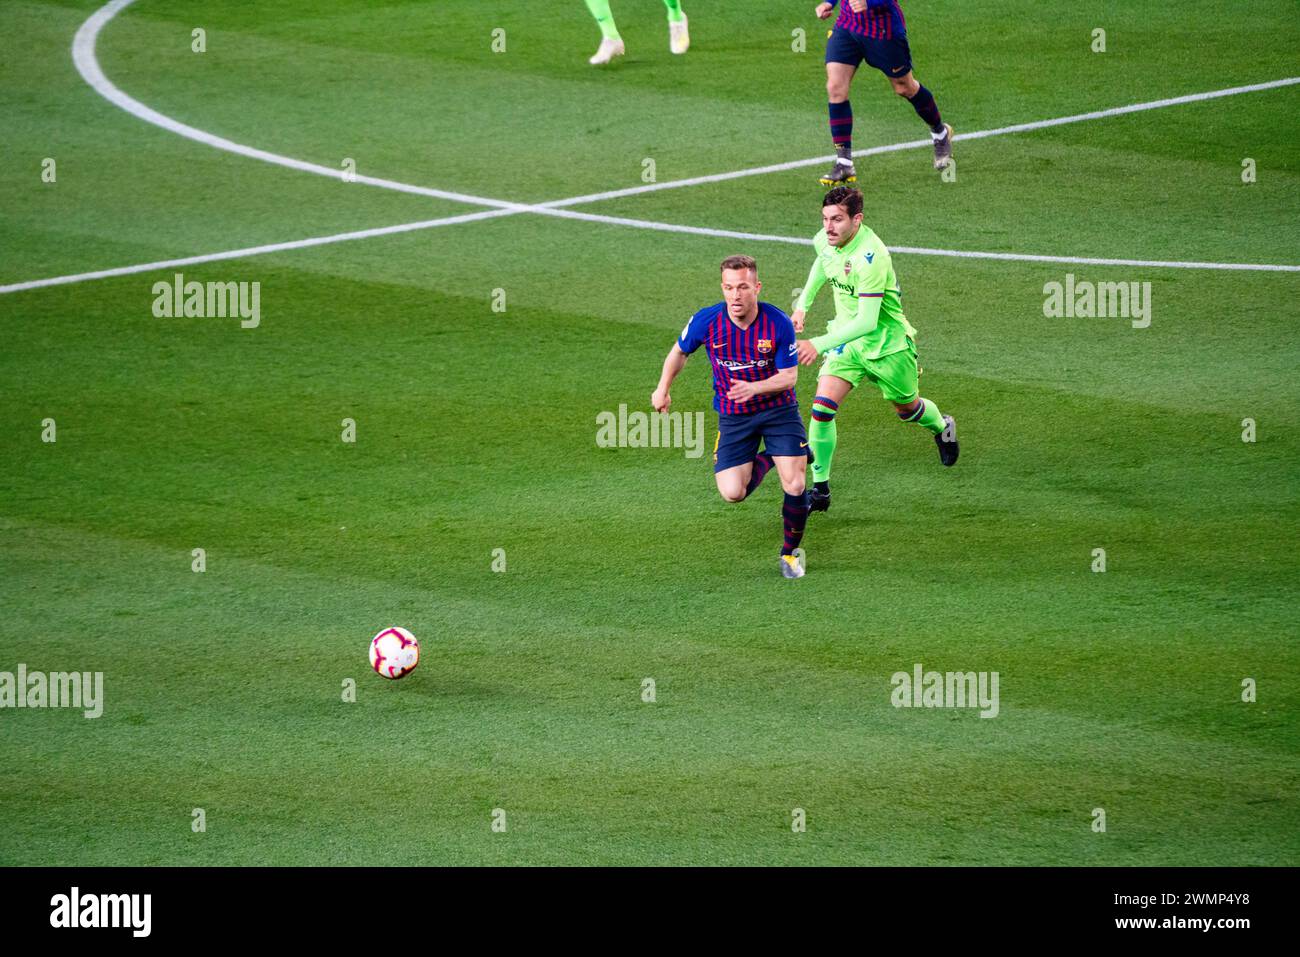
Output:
x=840 y=226
x=740 y=291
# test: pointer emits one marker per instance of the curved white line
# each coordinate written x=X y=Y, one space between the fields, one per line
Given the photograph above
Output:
x=83 y=56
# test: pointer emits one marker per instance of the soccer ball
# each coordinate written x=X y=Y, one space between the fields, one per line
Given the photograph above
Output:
x=394 y=653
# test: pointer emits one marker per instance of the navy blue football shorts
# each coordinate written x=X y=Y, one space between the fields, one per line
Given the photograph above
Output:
x=891 y=57
x=781 y=430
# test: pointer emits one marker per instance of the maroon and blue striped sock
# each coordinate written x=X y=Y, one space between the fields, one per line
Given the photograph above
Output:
x=762 y=463
x=923 y=102
x=842 y=125
x=794 y=516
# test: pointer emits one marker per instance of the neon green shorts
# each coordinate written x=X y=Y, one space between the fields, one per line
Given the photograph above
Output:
x=896 y=374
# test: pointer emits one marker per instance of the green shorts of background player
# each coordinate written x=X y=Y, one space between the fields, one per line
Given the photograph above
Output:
x=869 y=340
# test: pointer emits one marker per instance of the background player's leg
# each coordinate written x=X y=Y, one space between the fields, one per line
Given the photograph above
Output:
x=733 y=482
x=839 y=77
x=604 y=19
x=922 y=101
x=679 y=41
x=831 y=391
x=611 y=44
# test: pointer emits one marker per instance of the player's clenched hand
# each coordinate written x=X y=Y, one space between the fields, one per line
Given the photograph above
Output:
x=823 y=10
x=858 y=5
x=660 y=400
x=742 y=391
x=807 y=352
x=797 y=318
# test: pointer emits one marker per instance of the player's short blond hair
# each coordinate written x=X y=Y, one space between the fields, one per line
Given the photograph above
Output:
x=740 y=262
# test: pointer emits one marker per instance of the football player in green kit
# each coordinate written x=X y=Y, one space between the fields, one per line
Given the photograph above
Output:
x=869 y=338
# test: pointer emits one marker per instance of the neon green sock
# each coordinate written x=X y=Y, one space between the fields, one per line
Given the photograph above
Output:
x=931 y=419
x=600 y=10
x=674 y=10
x=821 y=439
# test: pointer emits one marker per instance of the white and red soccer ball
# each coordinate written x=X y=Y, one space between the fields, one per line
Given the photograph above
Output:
x=394 y=653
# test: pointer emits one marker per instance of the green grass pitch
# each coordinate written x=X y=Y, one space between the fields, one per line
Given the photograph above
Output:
x=476 y=431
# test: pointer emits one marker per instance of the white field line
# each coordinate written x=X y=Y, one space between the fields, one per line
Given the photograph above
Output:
x=83 y=55
x=617 y=221
x=254 y=250
x=918 y=144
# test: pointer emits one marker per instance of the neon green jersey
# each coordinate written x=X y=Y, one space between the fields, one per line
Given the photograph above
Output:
x=868 y=302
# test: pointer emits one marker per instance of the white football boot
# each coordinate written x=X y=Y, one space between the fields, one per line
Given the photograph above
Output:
x=608 y=50
x=679 y=37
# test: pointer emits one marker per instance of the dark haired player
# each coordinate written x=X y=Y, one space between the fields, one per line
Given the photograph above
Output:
x=873 y=30
x=751 y=346
x=869 y=338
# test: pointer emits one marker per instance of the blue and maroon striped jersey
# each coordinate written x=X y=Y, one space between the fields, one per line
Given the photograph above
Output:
x=882 y=20
x=751 y=354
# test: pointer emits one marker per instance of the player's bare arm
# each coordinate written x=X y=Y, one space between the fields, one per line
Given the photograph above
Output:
x=674 y=362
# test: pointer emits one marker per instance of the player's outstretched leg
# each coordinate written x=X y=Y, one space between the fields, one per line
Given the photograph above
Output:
x=922 y=101
x=794 y=511
x=679 y=37
x=611 y=44
x=927 y=415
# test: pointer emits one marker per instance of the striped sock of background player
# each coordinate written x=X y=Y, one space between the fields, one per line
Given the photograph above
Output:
x=604 y=19
x=923 y=102
x=842 y=125
x=821 y=437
